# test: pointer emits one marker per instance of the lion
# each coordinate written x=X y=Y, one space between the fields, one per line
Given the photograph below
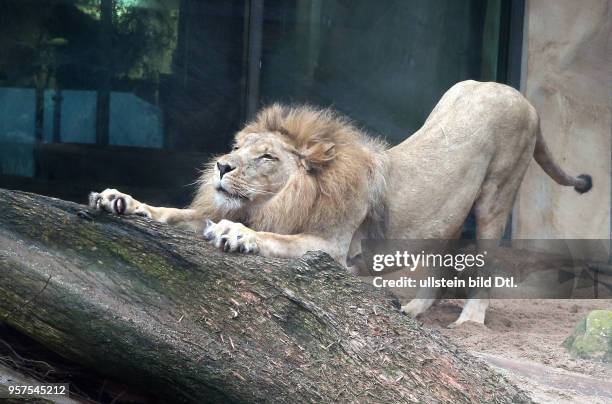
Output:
x=300 y=178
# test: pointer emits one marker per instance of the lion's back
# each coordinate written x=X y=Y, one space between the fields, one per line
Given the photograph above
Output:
x=481 y=106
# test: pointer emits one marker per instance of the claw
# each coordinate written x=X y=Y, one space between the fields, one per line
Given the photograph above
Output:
x=94 y=200
x=208 y=235
x=221 y=242
x=119 y=205
x=84 y=215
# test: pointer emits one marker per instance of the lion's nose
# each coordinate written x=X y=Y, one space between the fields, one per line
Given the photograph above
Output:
x=224 y=168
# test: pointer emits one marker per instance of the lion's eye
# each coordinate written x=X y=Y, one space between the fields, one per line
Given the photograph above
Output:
x=267 y=156
x=235 y=148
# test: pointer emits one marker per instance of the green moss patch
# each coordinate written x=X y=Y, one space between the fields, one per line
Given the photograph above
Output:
x=592 y=337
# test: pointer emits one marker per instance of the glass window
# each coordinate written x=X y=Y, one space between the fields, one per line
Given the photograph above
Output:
x=135 y=94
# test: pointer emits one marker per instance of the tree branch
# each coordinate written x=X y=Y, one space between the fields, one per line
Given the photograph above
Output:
x=164 y=311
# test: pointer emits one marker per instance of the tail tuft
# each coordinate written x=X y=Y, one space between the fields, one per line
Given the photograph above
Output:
x=583 y=184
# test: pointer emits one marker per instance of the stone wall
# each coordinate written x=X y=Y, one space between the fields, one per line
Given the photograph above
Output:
x=567 y=76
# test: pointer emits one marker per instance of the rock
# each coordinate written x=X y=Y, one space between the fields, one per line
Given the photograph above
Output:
x=592 y=337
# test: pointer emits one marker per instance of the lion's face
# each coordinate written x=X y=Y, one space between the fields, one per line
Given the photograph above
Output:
x=257 y=168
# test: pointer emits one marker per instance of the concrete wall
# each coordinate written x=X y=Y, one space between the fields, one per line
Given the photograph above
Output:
x=567 y=76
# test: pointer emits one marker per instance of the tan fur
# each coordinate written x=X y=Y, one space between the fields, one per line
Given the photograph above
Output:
x=302 y=179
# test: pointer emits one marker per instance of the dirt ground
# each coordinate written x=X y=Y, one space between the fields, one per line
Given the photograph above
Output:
x=522 y=339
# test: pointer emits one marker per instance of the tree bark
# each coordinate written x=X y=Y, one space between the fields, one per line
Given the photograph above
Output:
x=158 y=308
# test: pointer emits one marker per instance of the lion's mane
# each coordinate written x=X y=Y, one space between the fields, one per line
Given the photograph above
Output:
x=344 y=170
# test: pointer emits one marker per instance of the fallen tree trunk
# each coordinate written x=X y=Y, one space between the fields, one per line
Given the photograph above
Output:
x=160 y=309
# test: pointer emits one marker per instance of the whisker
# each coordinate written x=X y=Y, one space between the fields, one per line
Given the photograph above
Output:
x=242 y=183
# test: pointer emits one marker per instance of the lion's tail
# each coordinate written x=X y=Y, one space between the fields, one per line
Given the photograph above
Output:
x=582 y=183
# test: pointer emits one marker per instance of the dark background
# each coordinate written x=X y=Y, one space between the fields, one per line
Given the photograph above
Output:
x=136 y=94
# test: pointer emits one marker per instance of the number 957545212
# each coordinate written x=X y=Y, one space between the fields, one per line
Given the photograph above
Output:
x=55 y=389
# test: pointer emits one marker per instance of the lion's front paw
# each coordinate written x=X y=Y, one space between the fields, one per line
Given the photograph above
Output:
x=116 y=202
x=231 y=236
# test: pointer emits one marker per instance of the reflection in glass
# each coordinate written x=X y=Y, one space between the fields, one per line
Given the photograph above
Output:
x=88 y=83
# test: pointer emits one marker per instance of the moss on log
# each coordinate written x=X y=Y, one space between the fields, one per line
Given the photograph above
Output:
x=159 y=308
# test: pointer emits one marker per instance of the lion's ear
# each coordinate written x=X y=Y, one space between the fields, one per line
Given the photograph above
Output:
x=317 y=154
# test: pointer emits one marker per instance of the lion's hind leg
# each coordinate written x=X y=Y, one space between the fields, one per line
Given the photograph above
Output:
x=492 y=209
x=489 y=226
x=475 y=308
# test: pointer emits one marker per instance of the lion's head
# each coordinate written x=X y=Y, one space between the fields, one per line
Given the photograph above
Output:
x=293 y=170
